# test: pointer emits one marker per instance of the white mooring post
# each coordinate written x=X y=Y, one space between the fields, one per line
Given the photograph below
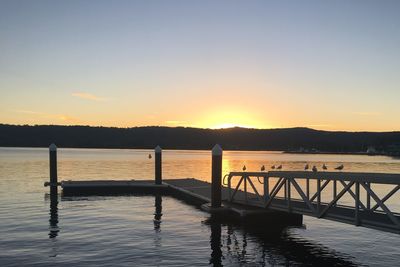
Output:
x=158 y=165
x=216 y=176
x=53 y=169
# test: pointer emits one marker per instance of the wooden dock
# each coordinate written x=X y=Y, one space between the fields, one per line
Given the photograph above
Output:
x=242 y=198
x=111 y=187
x=190 y=190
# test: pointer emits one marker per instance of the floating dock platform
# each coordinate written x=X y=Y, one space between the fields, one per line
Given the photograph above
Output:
x=190 y=190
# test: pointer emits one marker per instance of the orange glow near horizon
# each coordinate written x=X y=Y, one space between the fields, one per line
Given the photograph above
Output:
x=229 y=117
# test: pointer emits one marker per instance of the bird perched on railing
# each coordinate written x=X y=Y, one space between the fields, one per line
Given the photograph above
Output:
x=279 y=167
x=149 y=156
x=340 y=167
x=273 y=167
x=244 y=167
x=306 y=167
x=262 y=168
x=314 y=169
x=324 y=167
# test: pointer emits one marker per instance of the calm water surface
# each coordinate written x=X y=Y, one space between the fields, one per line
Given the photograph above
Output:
x=154 y=230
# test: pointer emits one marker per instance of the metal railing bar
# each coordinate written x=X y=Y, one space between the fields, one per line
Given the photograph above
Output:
x=255 y=191
x=322 y=188
x=381 y=204
x=353 y=195
x=236 y=188
x=283 y=181
x=344 y=190
x=391 y=193
x=303 y=196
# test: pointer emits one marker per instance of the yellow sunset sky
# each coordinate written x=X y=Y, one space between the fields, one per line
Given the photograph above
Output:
x=210 y=64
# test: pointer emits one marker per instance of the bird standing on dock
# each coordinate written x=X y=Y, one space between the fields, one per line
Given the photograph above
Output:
x=279 y=167
x=314 y=169
x=306 y=167
x=324 y=167
x=244 y=167
x=150 y=156
x=262 y=168
x=340 y=167
x=273 y=167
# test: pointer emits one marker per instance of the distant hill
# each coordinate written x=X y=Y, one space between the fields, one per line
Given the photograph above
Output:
x=194 y=138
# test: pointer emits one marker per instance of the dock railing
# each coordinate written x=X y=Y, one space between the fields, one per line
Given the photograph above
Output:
x=318 y=194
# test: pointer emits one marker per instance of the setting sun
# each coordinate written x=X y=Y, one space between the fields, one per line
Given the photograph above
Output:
x=228 y=117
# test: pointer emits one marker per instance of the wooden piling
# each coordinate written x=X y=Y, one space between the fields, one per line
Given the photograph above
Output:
x=158 y=165
x=216 y=176
x=53 y=169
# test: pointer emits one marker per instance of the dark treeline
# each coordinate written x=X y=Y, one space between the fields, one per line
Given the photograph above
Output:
x=194 y=138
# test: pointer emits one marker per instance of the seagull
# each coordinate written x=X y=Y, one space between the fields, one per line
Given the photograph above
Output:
x=324 y=167
x=314 y=169
x=306 y=167
x=244 y=167
x=149 y=156
x=262 y=168
x=340 y=167
x=273 y=167
x=279 y=167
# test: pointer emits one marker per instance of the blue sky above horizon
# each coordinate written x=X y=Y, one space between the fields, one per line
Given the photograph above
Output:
x=265 y=64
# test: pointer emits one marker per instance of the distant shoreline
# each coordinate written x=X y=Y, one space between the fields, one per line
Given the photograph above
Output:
x=289 y=140
x=200 y=149
x=337 y=153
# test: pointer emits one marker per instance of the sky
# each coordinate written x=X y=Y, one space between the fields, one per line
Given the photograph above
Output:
x=330 y=65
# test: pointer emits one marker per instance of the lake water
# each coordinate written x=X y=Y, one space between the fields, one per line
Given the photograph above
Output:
x=160 y=231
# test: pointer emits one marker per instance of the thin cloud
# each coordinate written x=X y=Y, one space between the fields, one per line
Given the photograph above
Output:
x=367 y=113
x=67 y=118
x=29 y=112
x=61 y=117
x=88 y=96
x=320 y=125
x=175 y=122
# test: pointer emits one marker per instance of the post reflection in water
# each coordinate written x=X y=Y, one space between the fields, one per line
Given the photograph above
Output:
x=215 y=243
x=158 y=212
x=233 y=243
x=53 y=221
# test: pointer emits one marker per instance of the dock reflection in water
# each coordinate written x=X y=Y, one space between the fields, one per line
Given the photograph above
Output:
x=230 y=242
x=267 y=247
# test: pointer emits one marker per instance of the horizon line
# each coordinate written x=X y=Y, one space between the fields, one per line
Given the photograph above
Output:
x=200 y=128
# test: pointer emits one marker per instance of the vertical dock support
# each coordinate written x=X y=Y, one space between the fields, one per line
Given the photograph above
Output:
x=158 y=165
x=368 y=197
x=266 y=189
x=334 y=191
x=289 y=204
x=53 y=170
x=357 y=205
x=216 y=175
x=319 y=195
